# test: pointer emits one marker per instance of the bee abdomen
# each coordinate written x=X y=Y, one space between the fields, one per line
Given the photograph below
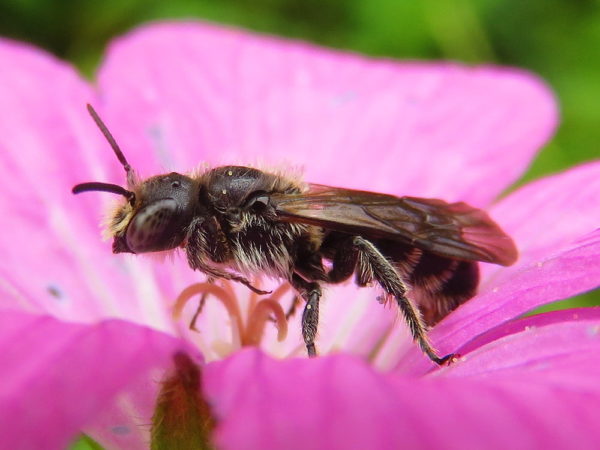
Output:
x=439 y=284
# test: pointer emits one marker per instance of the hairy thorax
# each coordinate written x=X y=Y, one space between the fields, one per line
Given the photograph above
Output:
x=254 y=240
x=263 y=246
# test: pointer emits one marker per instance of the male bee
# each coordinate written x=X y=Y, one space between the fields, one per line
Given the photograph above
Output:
x=233 y=222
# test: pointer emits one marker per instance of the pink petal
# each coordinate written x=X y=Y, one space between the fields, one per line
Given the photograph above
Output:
x=572 y=271
x=58 y=377
x=551 y=213
x=42 y=154
x=340 y=402
x=182 y=94
x=53 y=257
x=532 y=322
x=557 y=347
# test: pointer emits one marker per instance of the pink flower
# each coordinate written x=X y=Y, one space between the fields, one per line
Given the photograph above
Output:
x=85 y=335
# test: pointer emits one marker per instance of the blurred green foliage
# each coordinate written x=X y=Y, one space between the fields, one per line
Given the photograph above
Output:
x=85 y=442
x=557 y=39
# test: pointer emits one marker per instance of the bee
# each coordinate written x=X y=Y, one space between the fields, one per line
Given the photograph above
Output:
x=233 y=222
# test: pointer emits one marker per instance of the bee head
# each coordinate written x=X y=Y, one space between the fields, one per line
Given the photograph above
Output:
x=156 y=219
x=155 y=213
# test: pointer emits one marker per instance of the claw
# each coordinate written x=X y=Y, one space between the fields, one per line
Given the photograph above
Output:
x=448 y=359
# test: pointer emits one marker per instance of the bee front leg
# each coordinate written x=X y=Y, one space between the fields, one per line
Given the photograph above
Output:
x=200 y=307
x=371 y=263
x=311 y=292
x=198 y=250
x=292 y=309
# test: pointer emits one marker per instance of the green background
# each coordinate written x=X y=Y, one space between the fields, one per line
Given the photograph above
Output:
x=557 y=39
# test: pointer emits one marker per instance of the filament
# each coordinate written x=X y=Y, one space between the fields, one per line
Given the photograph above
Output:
x=258 y=318
x=220 y=294
x=260 y=311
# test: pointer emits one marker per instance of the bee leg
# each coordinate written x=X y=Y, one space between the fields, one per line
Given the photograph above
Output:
x=198 y=250
x=292 y=309
x=201 y=304
x=198 y=311
x=311 y=292
x=372 y=262
x=310 y=320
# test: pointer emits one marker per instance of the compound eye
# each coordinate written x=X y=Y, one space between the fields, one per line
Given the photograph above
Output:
x=151 y=228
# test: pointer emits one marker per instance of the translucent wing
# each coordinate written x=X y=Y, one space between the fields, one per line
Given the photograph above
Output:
x=454 y=230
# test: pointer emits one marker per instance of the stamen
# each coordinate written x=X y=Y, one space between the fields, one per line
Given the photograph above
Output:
x=229 y=301
x=258 y=318
x=249 y=332
x=280 y=292
x=229 y=288
x=252 y=301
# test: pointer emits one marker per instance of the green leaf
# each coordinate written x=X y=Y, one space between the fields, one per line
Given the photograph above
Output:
x=85 y=443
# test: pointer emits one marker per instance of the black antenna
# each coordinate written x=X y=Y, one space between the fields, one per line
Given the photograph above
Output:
x=111 y=140
x=108 y=187
x=103 y=187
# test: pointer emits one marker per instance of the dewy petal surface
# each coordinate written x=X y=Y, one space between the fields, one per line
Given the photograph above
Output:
x=58 y=376
x=554 y=346
x=340 y=401
x=186 y=93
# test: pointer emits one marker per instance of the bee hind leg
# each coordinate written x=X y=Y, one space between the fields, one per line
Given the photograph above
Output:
x=311 y=293
x=370 y=263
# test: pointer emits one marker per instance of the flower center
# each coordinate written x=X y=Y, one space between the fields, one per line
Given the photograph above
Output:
x=248 y=328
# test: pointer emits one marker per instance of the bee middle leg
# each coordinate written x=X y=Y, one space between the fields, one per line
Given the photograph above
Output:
x=292 y=309
x=198 y=251
x=200 y=307
x=360 y=255
x=311 y=292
